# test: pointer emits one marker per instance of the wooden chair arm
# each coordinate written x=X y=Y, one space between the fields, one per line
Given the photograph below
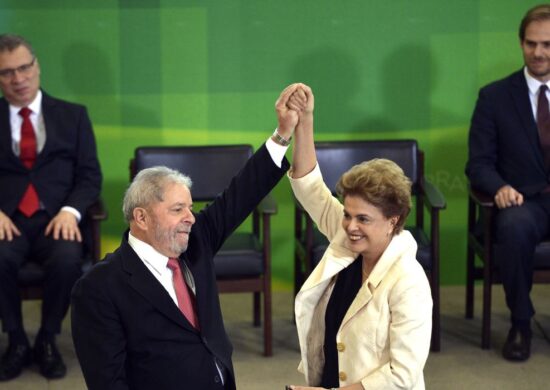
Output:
x=480 y=198
x=433 y=196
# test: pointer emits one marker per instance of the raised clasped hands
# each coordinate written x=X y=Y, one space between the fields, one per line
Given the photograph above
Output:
x=295 y=105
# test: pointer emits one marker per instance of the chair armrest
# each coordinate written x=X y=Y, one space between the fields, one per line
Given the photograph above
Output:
x=480 y=198
x=97 y=211
x=268 y=205
x=434 y=198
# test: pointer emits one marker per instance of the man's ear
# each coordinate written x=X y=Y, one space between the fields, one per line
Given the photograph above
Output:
x=140 y=217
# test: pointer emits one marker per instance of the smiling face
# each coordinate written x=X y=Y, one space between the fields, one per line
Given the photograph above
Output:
x=21 y=86
x=167 y=224
x=536 y=49
x=369 y=232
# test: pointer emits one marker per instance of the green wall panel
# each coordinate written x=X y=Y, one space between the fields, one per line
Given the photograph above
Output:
x=165 y=72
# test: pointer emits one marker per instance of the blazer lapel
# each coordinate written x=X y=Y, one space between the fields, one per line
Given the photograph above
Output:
x=50 y=123
x=520 y=95
x=363 y=297
x=5 y=133
x=335 y=259
x=399 y=245
x=141 y=279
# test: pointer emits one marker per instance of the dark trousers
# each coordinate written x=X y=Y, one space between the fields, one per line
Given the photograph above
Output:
x=518 y=230
x=61 y=261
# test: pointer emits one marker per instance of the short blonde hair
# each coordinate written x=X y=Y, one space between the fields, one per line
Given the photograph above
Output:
x=383 y=184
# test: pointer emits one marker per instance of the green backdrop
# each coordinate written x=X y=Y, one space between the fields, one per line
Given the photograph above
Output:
x=164 y=72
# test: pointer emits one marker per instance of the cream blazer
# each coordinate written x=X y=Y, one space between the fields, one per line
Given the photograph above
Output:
x=384 y=338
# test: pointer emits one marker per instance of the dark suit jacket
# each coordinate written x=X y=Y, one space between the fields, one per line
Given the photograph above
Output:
x=504 y=145
x=66 y=171
x=127 y=331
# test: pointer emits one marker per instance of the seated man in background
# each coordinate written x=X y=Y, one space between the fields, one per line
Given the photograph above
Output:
x=148 y=316
x=509 y=158
x=49 y=175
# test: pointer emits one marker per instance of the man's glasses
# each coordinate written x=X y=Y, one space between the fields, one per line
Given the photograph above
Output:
x=23 y=69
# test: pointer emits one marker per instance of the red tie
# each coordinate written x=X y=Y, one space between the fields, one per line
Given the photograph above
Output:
x=29 y=204
x=185 y=301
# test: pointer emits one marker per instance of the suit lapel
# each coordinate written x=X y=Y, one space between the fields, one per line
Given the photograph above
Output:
x=520 y=95
x=363 y=297
x=141 y=280
x=5 y=134
x=399 y=245
x=50 y=123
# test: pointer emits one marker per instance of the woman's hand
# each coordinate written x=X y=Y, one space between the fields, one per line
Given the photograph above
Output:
x=287 y=114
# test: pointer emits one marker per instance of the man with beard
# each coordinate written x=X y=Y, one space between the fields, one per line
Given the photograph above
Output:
x=149 y=316
x=509 y=158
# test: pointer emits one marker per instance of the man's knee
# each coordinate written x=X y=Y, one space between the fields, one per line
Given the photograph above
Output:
x=65 y=256
x=10 y=259
x=515 y=225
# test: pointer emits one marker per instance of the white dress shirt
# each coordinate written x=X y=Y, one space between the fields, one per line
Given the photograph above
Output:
x=533 y=85
x=37 y=120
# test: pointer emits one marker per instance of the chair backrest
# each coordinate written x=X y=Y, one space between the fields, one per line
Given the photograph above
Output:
x=211 y=168
x=336 y=157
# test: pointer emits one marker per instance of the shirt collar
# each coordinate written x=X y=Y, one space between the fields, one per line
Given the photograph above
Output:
x=148 y=254
x=35 y=105
x=532 y=83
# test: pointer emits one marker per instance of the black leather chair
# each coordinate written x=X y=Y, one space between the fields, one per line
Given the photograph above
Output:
x=334 y=159
x=31 y=275
x=481 y=210
x=243 y=264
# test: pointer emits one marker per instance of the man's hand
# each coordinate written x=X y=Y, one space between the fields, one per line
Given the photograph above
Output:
x=302 y=101
x=507 y=196
x=64 y=225
x=7 y=228
x=287 y=117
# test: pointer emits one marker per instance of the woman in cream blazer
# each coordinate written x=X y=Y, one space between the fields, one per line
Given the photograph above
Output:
x=383 y=339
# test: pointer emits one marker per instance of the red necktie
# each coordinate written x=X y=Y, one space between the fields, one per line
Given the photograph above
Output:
x=543 y=123
x=185 y=301
x=29 y=204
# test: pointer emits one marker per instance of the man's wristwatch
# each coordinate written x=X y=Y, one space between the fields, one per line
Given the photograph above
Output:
x=278 y=138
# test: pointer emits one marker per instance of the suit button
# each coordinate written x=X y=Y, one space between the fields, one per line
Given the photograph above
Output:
x=342 y=375
x=340 y=347
x=204 y=340
x=217 y=378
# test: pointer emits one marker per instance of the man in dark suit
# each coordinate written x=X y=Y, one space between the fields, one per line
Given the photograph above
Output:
x=148 y=316
x=509 y=158
x=49 y=175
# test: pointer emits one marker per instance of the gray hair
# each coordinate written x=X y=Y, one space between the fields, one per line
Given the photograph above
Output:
x=148 y=187
x=10 y=42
